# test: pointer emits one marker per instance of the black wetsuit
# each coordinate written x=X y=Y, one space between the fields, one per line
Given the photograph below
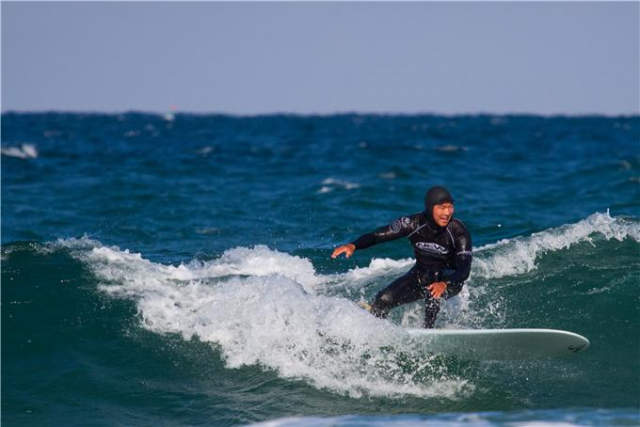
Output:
x=442 y=254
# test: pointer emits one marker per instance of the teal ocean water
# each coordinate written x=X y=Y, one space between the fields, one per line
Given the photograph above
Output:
x=175 y=270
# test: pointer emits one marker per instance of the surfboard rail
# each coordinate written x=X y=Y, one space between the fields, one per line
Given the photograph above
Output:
x=500 y=344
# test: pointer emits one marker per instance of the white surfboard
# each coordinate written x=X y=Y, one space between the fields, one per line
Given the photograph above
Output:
x=500 y=344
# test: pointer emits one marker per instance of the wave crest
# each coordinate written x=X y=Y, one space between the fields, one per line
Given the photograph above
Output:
x=264 y=307
x=260 y=307
x=517 y=256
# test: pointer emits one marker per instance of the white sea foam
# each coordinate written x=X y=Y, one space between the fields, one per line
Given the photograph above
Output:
x=24 y=151
x=527 y=418
x=260 y=307
x=268 y=308
x=331 y=184
x=377 y=267
x=519 y=255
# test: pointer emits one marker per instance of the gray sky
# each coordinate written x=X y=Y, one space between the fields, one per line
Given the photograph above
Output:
x=251 y=58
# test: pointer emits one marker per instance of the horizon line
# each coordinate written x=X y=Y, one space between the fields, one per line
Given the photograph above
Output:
x=177 y=112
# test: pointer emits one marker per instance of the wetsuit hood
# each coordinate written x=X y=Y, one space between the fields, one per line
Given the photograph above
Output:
x=435 y=196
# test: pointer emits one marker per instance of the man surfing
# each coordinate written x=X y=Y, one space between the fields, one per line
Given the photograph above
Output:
x=442 y=247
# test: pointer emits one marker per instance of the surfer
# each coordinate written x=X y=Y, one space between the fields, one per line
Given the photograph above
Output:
x=442 y=247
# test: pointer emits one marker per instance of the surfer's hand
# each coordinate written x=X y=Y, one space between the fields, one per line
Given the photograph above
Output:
x=437 y=289
x=347 y=250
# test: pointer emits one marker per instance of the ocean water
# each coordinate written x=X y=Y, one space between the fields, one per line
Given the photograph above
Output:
x=175 y=270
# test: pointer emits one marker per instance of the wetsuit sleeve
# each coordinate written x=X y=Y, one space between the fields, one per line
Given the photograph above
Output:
x=401 y=227
x=464 y=254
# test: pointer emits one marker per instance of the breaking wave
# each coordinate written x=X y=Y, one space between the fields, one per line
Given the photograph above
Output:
x=264 y=307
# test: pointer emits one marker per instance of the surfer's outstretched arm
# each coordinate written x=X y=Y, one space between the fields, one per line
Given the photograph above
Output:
x=393 y=231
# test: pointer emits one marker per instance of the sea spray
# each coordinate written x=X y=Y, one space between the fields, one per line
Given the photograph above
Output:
x=516 y=256
x=267 y=308
x=271 y=320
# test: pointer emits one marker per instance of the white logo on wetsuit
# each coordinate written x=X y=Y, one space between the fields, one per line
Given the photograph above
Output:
x=399 y=223
x=432 y=248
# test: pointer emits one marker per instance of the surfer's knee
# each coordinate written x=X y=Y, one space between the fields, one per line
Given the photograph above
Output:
x=382 y=303
x=379 y=309
x=385 y=298
x=379 y=312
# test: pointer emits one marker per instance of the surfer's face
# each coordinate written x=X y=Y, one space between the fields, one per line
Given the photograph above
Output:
x=442 y=214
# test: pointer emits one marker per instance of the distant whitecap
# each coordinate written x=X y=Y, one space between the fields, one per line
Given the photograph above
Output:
x=331 y=184
x=451 y=148
x=24 y=151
